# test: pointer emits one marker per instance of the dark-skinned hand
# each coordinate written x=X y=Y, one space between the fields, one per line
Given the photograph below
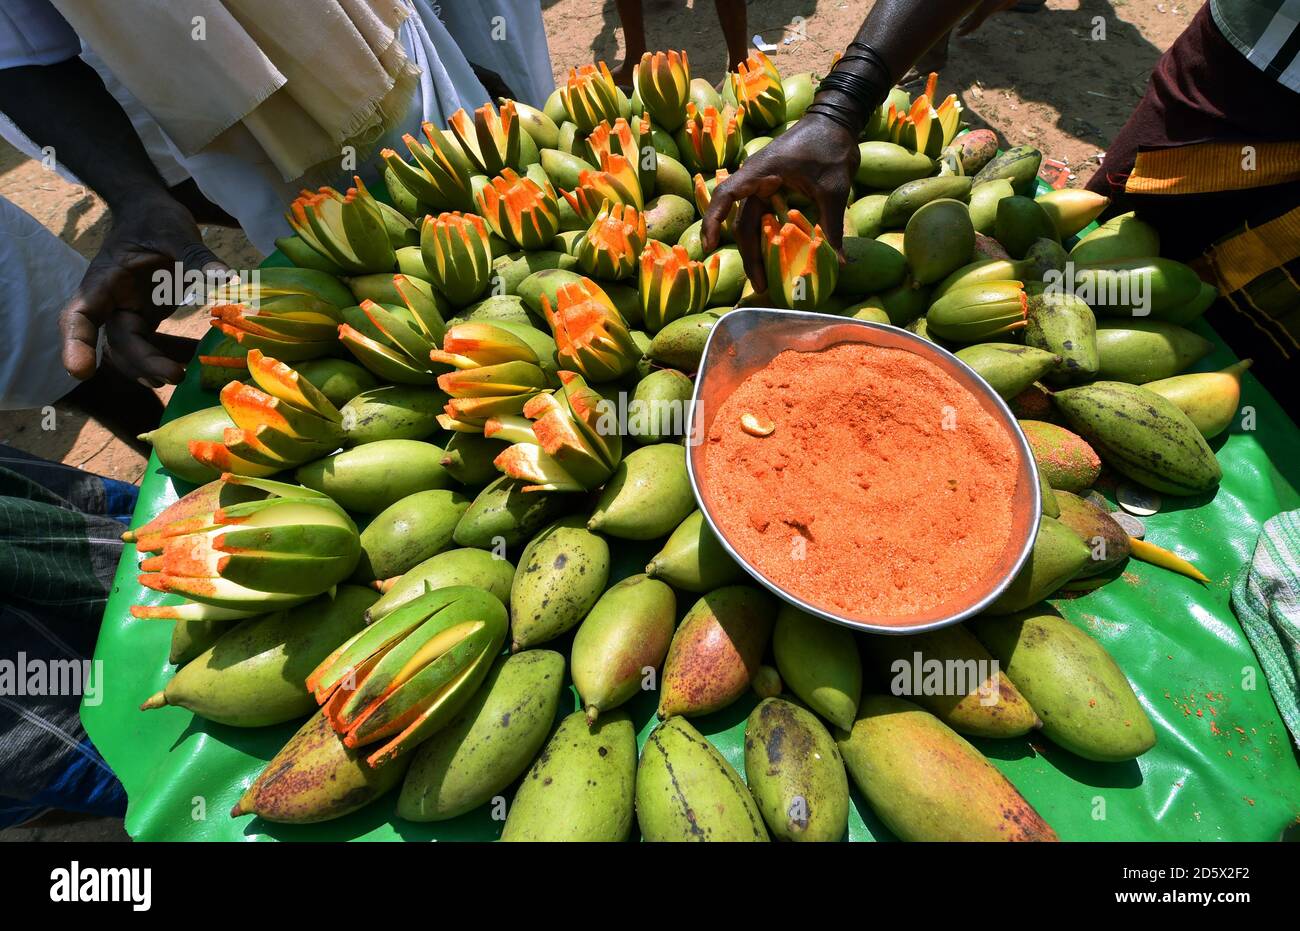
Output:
x=118 y=293
x=816 y=157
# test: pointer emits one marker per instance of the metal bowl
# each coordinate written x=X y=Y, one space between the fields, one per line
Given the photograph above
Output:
x=746 y=339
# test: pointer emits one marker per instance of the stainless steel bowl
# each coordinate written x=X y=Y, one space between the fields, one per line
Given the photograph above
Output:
x=746 y=339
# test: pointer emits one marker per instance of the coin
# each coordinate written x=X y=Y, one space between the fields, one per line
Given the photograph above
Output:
x=1137 y=500
x=1131 y=525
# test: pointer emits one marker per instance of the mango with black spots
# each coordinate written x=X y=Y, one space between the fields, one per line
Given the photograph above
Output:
x=561 y=574
x=1060 y=323
x=794 y=771
x=687 y=791
x=504 y=514
x=1057 y=557
x=1140 y=351
x=1107 y=542
x=1009 y=368
x=581 y=787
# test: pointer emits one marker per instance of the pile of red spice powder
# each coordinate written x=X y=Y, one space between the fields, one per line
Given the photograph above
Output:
x=885 y=489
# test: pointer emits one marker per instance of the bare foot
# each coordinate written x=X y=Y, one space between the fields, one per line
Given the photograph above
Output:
x=623 y=73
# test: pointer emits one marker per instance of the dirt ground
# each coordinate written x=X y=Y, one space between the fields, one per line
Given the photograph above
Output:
x=1064 y=79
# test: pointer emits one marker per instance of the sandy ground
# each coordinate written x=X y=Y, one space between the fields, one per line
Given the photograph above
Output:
x=1064 y=78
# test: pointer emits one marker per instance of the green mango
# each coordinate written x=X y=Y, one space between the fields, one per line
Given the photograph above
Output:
x=984 y=200
x=338 y=379
x=731 y=278
x=1044 y=259
x=799 y=89
x=562 y=168
x=190 y=638
x=1209 y=399
x=870 y=310
x=254 y=675
x=672 y=177
x=545 y=282
x=1057 y=557
x=884 y=165
x=981 y=271
x=408 y=532
x=497 y=308
x=553 y=108
x=316 y=778
x=693 y=559
x=716 y=650
x=870 y=266
x=475 y=568
x=627 y=631
x=648 y=495
x=905 y=303
x=1119 y=238
x=510 y=270
x=1139 y=351
x=866 y=216
x=1084 y=699
x=581 y=787
x=690 y=241
x=659 y=406
x=469 y=458
x=171 y=442
x=938 y=240
x=1051 y=507
x=927 y=783
x=504 y=514
x=1106 y=540
x=680 y=345
x=562 y=572
x=819 y=662
x=1156 y=287
x=795 y=773
x=1019 y=223
x=977 y=704
x=667 y=217
x=687 y=791
x=907 y=198
x=1019 y=165
x=1009 y=368
x=1060 y=323
x=368 y=478
x=393 y=412
x=490 y=743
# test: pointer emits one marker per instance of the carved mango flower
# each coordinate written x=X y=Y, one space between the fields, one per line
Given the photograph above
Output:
x=801 y=266
x=663 y=82
x=520 y=210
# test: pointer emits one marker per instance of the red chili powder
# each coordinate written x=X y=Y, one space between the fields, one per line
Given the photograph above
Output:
x=884 y=491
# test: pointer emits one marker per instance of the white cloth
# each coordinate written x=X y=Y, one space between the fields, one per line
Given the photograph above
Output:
x=38 y=273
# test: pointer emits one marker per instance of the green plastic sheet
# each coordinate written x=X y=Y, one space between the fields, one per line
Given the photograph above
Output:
x=1223 y=767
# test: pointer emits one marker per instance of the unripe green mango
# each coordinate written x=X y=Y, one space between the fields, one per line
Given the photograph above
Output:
x=469 y=458
x=1140 y=287
x=1019 y=165
x=497 y=308
x=690 y=241
x=1139 y=351
x=672 y=177
x=171 y=442
x=476 y=568
x=870 y=310
x=988 y=706
x=562 y=168
x=870 y=266
x=1084 y=699
x=1061 y=324
x=939 y=239
x=1057 y=557
x=1020 y=222
x=884 y=165
x=370 y=477
x=907 y=198
x=543 y=130
x=648 y=495
x=581 y=787
x=562 y=572
x=660 y=405
x=795 y=773
x=393 y=412
x=408 y=532
x=716 y=650
x=545 y=282
x=866 y=216
x=687 y=791
x=510 y=270
x=693 y=559
x=667 y=217
x=316 y=778
x=1051 y=507
x=984 y=200
x=731 y=278
x=1119 y=238
x=338 y=379
x=1009 y=368
x=680 y=345
x=627 y=631
x=927 y=783
x=979 y=272
x=490 y=743
x=905 y=303
x=1044 y=258
x=255 y=674
x=1065 y=458
x=504 y=514
x=799 y=89
x=1108 y=544
x=819 y=662
x=190 y=638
